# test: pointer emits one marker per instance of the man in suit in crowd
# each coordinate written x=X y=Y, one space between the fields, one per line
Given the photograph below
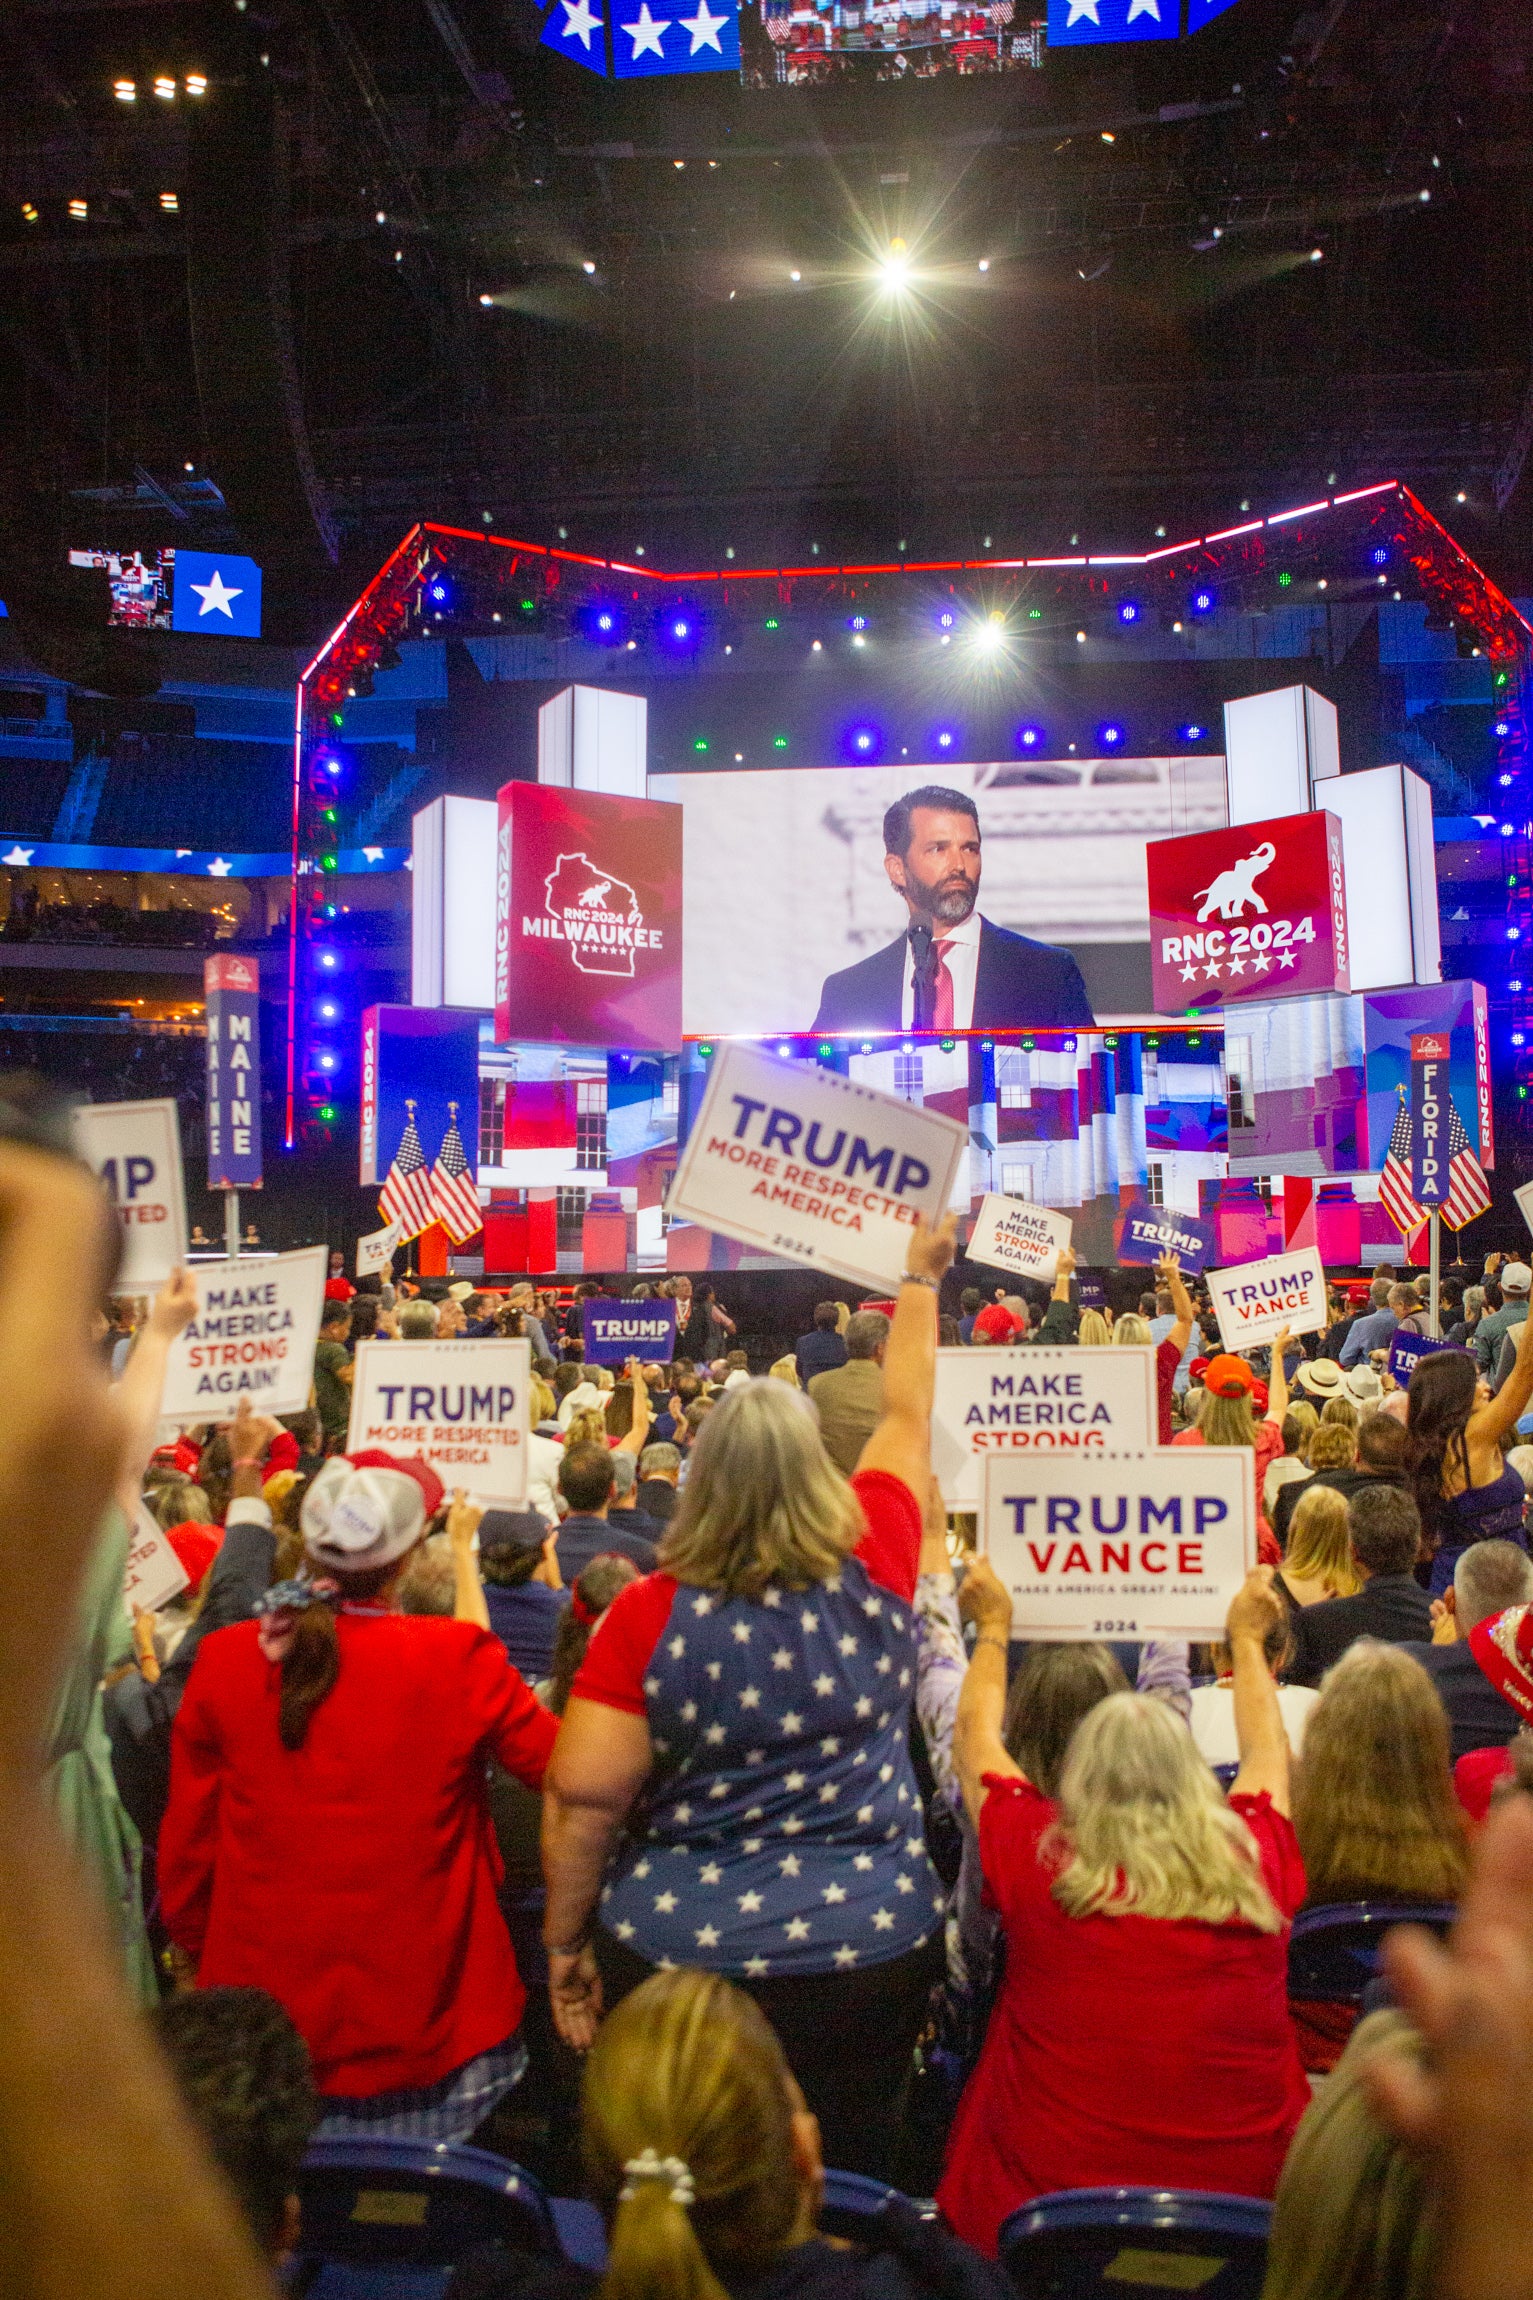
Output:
x=1385 y=1526
x=586 y=1480
x=1490 y=1576
x=849 y=1399
x=821 y=1350
x=659 y=1475
x=951 y=969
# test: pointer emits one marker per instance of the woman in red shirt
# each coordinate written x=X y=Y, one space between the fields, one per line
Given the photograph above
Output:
x=328 y=1835
x=1141 y=2036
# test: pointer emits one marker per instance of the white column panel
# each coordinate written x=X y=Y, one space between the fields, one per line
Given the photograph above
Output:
x=426 y=906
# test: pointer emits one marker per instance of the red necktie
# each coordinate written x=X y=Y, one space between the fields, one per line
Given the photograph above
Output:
x=942 y=990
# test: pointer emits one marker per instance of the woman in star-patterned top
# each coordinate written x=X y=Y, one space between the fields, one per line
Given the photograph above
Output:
x=732 y=1785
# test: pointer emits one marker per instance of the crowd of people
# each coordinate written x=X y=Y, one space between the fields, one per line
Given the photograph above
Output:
x=710 y=1821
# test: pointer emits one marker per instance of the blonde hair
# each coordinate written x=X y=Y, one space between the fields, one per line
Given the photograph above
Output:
x=763 y=1501
x=784 y=1370
x=1333 y=1446
x=1319 y=1545
x=1355 y=2215
x=1308 y=1418
x=1094 y=1332
x=1373 y=1802
x=588 y=1426
x=543 y=1403
x=1132 y=1328
x=1227 y=1421
x=687 y=2067
x=1143 y=1828
x=1340 y=1410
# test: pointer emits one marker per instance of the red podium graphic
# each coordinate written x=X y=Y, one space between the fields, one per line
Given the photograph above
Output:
x=587 y=918
x=1255 y=911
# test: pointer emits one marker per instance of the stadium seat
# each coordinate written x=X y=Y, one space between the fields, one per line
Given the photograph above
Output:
x=389 y=2219
x=1114 y=2243
x=851 y=2201
x=1334 y=1953
x=1225 y=1775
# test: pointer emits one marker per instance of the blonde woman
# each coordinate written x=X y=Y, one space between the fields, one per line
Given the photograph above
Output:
x=1094 y=1332
x=1146 y=1930
x=733 y=1786
x=785 y=1370
x=1318 y=1562
x=1133 y=1331
x=1355 y=2216
x=1299 y=1425
x=1229 y=1417
x=708 y=2167
x=1332 y=1458
x=1373 y=1805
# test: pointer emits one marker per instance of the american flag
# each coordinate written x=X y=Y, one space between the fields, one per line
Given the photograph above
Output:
x=1395 y=1181
x=1468 y=1190
x=406 y=1194
x=453 y=1195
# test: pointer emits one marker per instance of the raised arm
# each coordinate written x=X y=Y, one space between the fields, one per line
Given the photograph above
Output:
x=1169 y=1271
x=1260 y=1734
x=1277 y=1379
x=977 y=1745
x=468 y=1598
x=1489 y=1424
x=901 y=1440
x=143 y=1381
x=643 y=1412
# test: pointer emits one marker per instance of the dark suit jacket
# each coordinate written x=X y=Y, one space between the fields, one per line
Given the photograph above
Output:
x=581 y=1538
x=1346 y=1482
x=1020 y=985
x=1392 y=1607
x=658 y=1499
x=1478 y=1718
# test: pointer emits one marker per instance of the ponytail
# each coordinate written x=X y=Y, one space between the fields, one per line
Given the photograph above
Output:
x=652 y=2249
x=310 y=1667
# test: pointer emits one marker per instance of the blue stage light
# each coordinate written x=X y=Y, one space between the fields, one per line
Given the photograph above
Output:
x=1380 y=555
x=946 y=619
x=1203 y=602
x=864 y=740
x=1502 y=729
x=1110 y=735
x=328 y=959
x=1128 y=611
x=1030 y=738
x=856 y=622
x=1193 y=732
x=945 y=738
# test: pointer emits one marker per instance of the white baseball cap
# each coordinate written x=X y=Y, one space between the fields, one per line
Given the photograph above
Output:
x=1516 y=1278
x=355 y=1520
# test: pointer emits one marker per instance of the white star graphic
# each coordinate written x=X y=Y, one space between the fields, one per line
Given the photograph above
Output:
x=641 y=1869
x=1287 y=958
x=864 y=1814
x=756 y=1967
x=749 y=1903
x=901 y=1884
x=215 y=595
x=771 y=1597
x=580 y=22
x=20 y=854
x=809 y=1621
x=846 y=1955
x=683 y=1814
x=793 y=1781
x=752 y=1845
x=1261 y=963
x=624 y=1930
x=792 y=1827
x=1189 y=973
x=1143 y=8
x=790 y=1866
x=782 y=1658
x=833 y=1894
x=664 y=1903
x=750 y=1697
x=714 y=1735
x=372 y=854
x=886 y=1772
x=883 y=1920
x=702 y=1605
x=848 y=1646
x=714 y=1669
x=865 y=1861
x=677 y=1648
x=688 y=1712
x=646 y=32
x=872 y=1608
x=829 y=1793
x=883 y=1665
x=706 y=1936
x=704 y=28
x=863 y=1705
x=792 y=1723
x=915 y=1847
x=719 y=1789
x=1212 y=970
x=218 y=868
x=830 y=1746
x=1080 y=8
x=797 y=1928
x=710 y=1873
x=1237 y=966
x=742 y=1633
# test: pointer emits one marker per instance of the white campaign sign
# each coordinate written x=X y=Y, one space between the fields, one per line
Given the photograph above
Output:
x=253 y=1337
x=1257 y=1299
x=135 y=1147
x=1062 y=1399
x=464 y=1405
x=799 y=1161
x=1524 y=1198
x=376 y=1250
x=1010 y=1234
x=154 y=1574
x=1151 y=1544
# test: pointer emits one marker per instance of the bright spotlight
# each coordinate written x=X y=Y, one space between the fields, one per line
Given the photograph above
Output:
x=990 y=635
x=896 y=264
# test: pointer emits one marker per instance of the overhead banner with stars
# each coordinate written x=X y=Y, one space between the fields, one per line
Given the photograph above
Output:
x=641 y=39
x=218 y=592
x=1076 y=23
x=1255 y=911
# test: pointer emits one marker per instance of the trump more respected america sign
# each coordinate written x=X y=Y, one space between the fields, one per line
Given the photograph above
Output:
x=462 y=1405
x=1038 y=1398
x=1151 y=1544
x=1258 y=1299
x=802 y=1162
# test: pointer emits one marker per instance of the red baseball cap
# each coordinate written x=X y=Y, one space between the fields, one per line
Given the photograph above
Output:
x=196 y=1546
x=1229 y=1377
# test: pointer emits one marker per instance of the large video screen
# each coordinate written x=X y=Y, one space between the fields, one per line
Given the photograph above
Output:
x=818 y=40
x=802 y=886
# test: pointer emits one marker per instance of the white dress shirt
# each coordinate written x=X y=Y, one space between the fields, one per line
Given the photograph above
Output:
x=962 y=958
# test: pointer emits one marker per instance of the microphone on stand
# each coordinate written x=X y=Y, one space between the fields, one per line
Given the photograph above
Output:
x=924 y=977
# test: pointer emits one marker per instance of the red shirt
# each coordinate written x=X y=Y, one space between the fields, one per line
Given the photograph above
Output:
x=618 y=1656
x=1168 y=1356
x=339 y=1290
x=1268 y=1449
x=1124 y=2051
x=355 y=1878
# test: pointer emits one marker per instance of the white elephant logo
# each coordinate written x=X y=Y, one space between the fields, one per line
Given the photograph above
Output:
x=1232 y=890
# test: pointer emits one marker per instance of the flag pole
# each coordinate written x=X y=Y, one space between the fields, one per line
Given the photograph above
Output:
x=1434 y=1273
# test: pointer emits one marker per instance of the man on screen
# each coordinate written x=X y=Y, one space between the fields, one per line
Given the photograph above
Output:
x=951 y=969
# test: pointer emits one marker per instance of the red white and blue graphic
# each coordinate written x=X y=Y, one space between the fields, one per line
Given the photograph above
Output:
x=231 y=989
x=645 y=39
x=1077 y=23
x=218 y=592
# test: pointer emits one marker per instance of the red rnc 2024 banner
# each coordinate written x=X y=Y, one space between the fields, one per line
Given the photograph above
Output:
x=587 y=918
x=1255 y=911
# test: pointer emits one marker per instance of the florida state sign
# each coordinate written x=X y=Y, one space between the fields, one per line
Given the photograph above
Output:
x=1255 y=911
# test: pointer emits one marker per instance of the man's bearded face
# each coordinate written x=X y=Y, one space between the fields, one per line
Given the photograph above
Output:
x=939 y=872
